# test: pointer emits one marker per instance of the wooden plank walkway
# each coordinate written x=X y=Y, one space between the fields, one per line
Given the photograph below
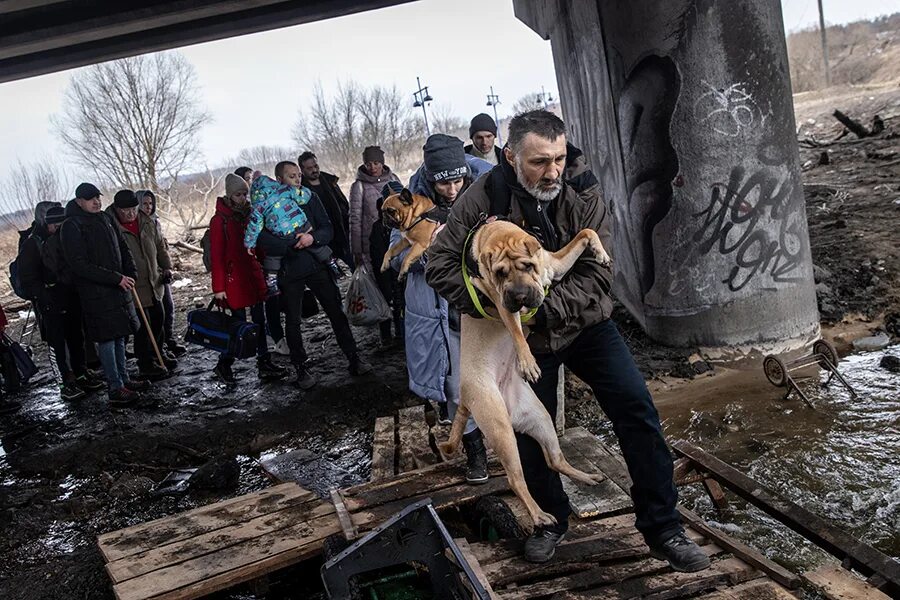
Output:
x=193 y=554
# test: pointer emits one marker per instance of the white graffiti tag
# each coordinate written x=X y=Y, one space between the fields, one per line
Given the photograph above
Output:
x=728 y=111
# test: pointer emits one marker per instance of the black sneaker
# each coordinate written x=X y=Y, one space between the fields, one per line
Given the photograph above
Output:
x=89 y=383
x=304 y=380
x=443 y=414
x=681 y=553
x=170 y=361
x=476 y=458
x=71 y=392
x=123 y=397
x=175 y=348
x=266 y=369
x=541 y=545
x=223 y=371
x=359 y=367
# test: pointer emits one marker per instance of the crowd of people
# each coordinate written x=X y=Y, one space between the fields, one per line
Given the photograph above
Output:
x=273 y=240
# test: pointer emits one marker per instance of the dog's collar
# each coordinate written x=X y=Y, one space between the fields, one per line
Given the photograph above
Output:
x=467 y=259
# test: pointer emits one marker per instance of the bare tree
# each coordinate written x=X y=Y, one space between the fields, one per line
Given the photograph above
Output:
x=528 y=102
x=337 y=129
x=27 y=184
x=444 y=120
x=189 y=204
x=134 y=121
x=263 y=158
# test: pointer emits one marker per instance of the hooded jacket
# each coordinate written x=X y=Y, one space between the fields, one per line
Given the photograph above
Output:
x=364 y=195
x=582 y=297
x=338 y=209
x=427 y=315
x=234 y=271
x=151 y=258
x=300 y=263
x=98 y=257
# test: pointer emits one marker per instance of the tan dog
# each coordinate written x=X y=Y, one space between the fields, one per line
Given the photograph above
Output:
x=410 y=213
x=514 y=272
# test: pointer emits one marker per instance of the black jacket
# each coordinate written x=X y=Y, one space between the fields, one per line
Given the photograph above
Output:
x=98 y=256
x=298 y=264
x=497 y=150
x=39 y=274
x=337 y=208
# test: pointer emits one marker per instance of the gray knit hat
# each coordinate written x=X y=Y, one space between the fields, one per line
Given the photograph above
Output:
x=234 y=184
x=445 y=158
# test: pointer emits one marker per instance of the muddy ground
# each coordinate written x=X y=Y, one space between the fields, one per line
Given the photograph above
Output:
x=69 y=472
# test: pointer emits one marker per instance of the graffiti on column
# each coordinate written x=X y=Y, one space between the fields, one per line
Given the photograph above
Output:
x=738 y=223
x=729 y=111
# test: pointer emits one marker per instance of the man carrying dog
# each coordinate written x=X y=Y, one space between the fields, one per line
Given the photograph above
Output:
x=533 y=187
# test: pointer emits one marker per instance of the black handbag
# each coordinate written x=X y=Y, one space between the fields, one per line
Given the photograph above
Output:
x=18 y=359
x=219 y=331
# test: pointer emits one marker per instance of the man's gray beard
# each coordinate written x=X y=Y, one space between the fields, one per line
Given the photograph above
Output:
x=535 y=191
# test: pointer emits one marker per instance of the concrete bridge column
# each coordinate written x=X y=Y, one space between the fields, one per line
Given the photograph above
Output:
x=684 y=109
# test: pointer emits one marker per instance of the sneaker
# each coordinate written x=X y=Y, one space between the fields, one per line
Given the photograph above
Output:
x=175 y=348
x=443 y=414
x=304 y=380
x=281 y=347
x=541 y=545
x=681 y=553
x=266 y=369
x=169 y=360
x=71 y=392
x=89 y=383
x=123 y=397
x=476 y=458
x=359 y=367
x=223 y=371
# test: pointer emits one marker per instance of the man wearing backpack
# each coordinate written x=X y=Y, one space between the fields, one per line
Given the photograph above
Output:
x=537 y=188
x=103 y=273
x=56 y=306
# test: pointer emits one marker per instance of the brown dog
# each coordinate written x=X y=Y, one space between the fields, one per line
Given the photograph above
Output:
x=514 y=272
x=414 y=216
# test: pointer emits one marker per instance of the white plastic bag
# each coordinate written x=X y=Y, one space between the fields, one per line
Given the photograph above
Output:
x=364 y=304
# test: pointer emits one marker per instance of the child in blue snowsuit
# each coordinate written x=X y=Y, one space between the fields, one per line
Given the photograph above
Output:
x=277 y=207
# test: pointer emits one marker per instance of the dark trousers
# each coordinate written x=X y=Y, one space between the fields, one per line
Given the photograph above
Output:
x=143 y=348
x=273 y=317
x=394 y=291
x=258 y=316
x=600 y=358
x=322 y=285
x=65 y=338
x=169 y=314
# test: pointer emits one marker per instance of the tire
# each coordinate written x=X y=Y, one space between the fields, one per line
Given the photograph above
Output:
x=494 y=513
x=827 y=353
x=775 y=370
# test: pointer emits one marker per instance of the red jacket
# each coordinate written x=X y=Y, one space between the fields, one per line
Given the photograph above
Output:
x=234 y=271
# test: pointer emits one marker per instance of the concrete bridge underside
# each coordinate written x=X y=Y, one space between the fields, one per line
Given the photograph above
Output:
x=683 y=108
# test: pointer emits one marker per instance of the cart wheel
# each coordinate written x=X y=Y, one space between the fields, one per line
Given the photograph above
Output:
x=775 y=371
x=826 y=352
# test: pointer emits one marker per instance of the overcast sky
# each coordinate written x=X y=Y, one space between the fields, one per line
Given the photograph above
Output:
x=458 y=48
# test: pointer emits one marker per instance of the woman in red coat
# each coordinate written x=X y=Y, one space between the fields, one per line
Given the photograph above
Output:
x=237 y=279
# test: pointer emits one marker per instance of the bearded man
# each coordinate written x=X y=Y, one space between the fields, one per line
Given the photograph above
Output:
x=542 y=186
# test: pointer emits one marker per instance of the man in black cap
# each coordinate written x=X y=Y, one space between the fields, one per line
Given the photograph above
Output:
x=103 y=273
x=483 y=131
x=153 y=268
x=56 y=305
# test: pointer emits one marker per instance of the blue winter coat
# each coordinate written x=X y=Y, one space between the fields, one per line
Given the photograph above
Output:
x=428 y=339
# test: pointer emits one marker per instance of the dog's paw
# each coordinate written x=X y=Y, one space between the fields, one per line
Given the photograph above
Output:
x=447 y=448
x=401 y=276
x=385 y=265
x=543 y=519
x=590 y=478
x=599 y=251
x=528 y=368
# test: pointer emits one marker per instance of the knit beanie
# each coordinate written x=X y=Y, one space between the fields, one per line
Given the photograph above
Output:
x=56 y=214
x=125 y=199
x=445 y=158
x=373 y=154
x=390 y=188
x=234 y=184
x=482 y=122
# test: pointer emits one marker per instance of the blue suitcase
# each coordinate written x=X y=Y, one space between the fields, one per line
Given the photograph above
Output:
x=216 y=330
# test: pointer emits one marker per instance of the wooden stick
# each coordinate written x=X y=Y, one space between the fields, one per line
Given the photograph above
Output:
x=186 y=246
x=147 y=327
x=850 y=124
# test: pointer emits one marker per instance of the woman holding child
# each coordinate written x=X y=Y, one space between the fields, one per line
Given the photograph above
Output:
x=237 y=280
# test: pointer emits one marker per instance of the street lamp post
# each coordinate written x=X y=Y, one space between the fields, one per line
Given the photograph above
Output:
x=544 y=99
x=493 y=100
x=421 y=97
